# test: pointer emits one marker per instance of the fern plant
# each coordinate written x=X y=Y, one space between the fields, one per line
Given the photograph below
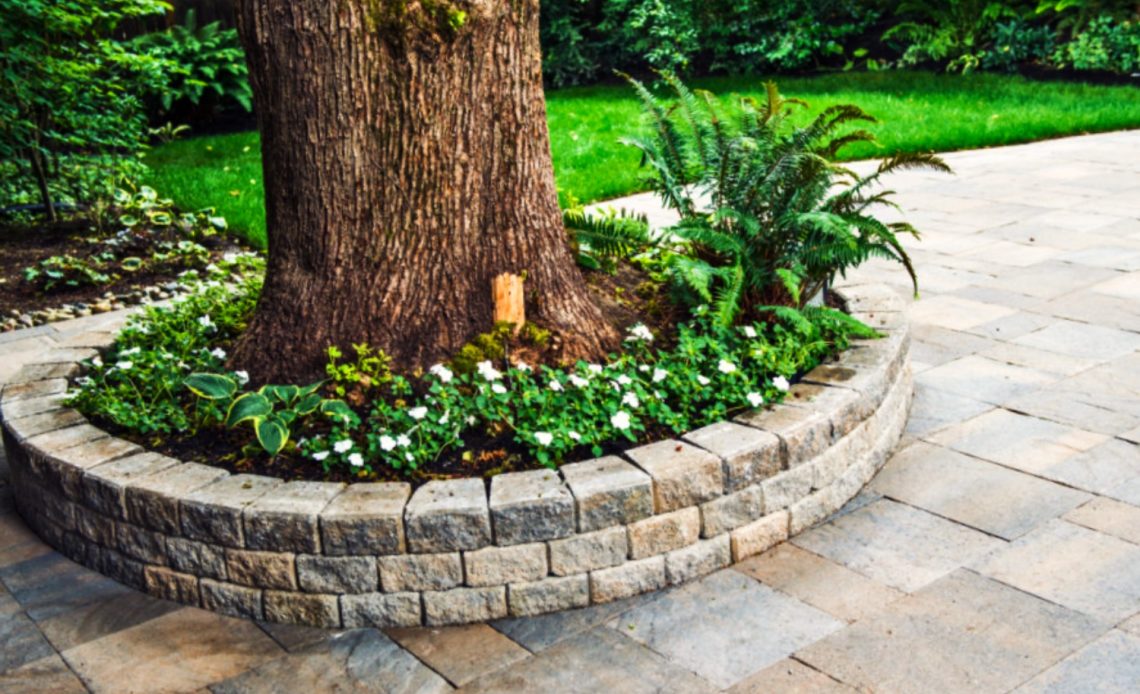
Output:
x=602 y=238
x=767 y=217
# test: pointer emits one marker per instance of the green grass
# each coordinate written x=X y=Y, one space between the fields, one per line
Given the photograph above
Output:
x=917 y=112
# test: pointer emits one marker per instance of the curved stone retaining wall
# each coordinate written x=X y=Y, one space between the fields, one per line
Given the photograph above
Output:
x=376 y=554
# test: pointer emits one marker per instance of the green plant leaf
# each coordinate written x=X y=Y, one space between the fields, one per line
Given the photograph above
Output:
x=211 y=386
x=337 y=409
x=248 y=406
x=271 y=435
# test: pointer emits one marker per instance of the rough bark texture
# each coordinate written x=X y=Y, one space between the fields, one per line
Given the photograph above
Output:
x=407 y=162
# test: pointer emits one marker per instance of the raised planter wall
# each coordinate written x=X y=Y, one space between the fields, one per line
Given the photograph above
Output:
x=376 y=554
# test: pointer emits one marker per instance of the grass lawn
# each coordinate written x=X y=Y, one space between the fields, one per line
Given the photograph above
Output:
x=917 y=111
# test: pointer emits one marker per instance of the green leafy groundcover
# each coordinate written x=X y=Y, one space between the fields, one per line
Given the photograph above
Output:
x=413 y=422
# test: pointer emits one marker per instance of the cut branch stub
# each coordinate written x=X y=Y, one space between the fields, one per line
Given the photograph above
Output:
x=507 y=295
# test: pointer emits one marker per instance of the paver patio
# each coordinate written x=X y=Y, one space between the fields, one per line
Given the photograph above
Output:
x=998 y=550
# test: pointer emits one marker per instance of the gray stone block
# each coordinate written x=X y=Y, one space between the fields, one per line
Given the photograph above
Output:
x=65 y=355
x=548 y=595
x=140 y=543
x=608 y=491
x=302 y=608
x=406 y=572
x=380 y=610
x=464 y=605
x=749 y=455
x=94 y=526
x=17 y=390
x=815 y=507
x=154 y=500
x=286 y=518
x=31 y=406
x=664 y=532
x=759 y=535
x=26 y=427
x=104 y=486
x=494 y=566
x=845 y=408
x=214 y=512
x=803 y=433
x=198 y=558
x=43 y=372
x=629 y=579
x=531 y=506
x=699 y=559
x=589 y=551
x=366 y=519
x=683 y=475
x=227 y=598
x=118 y=566
x=172 y=585
x=43 y=450
x=446 y=515
x=732 y=511
x=261 y=569
x=787 y=488
x=71 y=464
x=317 y=574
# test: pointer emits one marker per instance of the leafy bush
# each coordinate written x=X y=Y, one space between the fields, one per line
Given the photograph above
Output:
x=1017 y=42
x=61 y=272
x=1106 y=44
x=953 y=32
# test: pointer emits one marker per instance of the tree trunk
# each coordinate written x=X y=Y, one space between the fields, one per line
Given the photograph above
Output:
x=406 y=164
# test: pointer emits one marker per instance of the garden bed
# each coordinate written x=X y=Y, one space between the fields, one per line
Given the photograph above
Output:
x=454 y=551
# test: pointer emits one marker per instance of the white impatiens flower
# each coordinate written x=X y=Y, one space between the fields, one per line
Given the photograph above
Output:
x=594 y=368
x=749 y=332
x=403 y=440
x=620 y=420
x=205 y=321
x=487 y=371
x=445 y=418
x=124 y=365
x=387 y=443
x=660 y=375
x=781 y=383
x=725 y=366
x=574 y=436
x=644 y=368
x=218 y=352
x=472 y=420
x=631 y=400
x=442 y=372
x=523 y=366
x=556 y=386
x=417 y=412
x=130 y=352
x=544 y=438
x=355 y=460
x=97 y=361
x=624 y=380
x=499 y=388
x=755 y=399
x=703 y=380
x=320 y=455
x=578 y=381
x=343 y=446
x=640 y=332
x=242 y=377
x=409 y=457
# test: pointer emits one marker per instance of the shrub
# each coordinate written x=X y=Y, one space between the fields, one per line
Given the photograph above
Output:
x=1106 y=44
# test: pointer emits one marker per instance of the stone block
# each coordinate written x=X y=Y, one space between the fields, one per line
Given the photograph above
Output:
x=31 y=406
x=198 y=558
x=447 y=515
x=214 y=512
x=43 y=450
x=153 y=501
x=43 y=372
x=94 y=526
x=548 y=595
x=815 y=507
x=832 y=463
x=698 y=559
x=17 y=390
x=748 y=454
x=380 y=610
x=843 y=407
x=608 y=491
x=227 y=598
x=683 y=475
x=286 y=518
x=787 y=488
x=531 y=506
x=118 y=566
x=140 y=543
x=366 y=519
x=464 y=605
x=803 y=433
x=71 y=464
x=33 y=425
x=172 y=585
x=664 y=532
x=302 y=608
x=261 y=569
x=732 y=511
x=65 y=355
x=494 y=566
x=759 y=535
x=104 y=486
x=405 y=572
x=588 y=551
x=629 y=579
x=317 y=574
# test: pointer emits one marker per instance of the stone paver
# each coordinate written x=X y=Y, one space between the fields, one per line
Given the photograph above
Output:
x=1021 y=463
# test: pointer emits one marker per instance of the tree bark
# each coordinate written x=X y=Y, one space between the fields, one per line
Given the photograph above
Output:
x=406 y=163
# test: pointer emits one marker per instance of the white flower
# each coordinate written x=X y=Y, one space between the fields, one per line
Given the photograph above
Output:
x=620 y=421
x=499 y=388
x=320 y=455
x=594 y=368
x=631 y=400
x=781 y=383
x=644 y=368
x=387 y=443
x=660 y=375
x=445 y=418
x=640 y=332
x=83 y=381
x=574 y=436
x=487 y=371
x=702 y=380
x=544 y=438
x=409 y=457
x=442 y=372
x=472 y=420
x=624 y=380
x=556 y=386
x=355 y=460
x=343 y=446
x=755 y=399
x=218 y=352
x=124 y=365
x=242 y=377
x=417 y=412
x=97 y=361
x=130 y=352
x=578 y=381
x=205 y=321
x=522 y=366
x=725 y=366
x=749 y=332
x=403 y=440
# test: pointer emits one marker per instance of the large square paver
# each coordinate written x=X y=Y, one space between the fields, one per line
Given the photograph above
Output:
x=599 y=660
x=1076 y=567
x=725 y=627
x=462 y=653
x=1082 y=340
x=1111 y=469
x=1026 y=443
x=985 y=379
x=789 y=677
x=182 y=651
x=103 y=617
x=933 y=409
x=1109 y=516
x=50 y=584
x=897 y=545
x=955 y=313
x=1109 y=665
x=542 y=631
x=964 y=633
x=20 y=641
x=362 y=660
x=48 y=674
x=982 y=495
